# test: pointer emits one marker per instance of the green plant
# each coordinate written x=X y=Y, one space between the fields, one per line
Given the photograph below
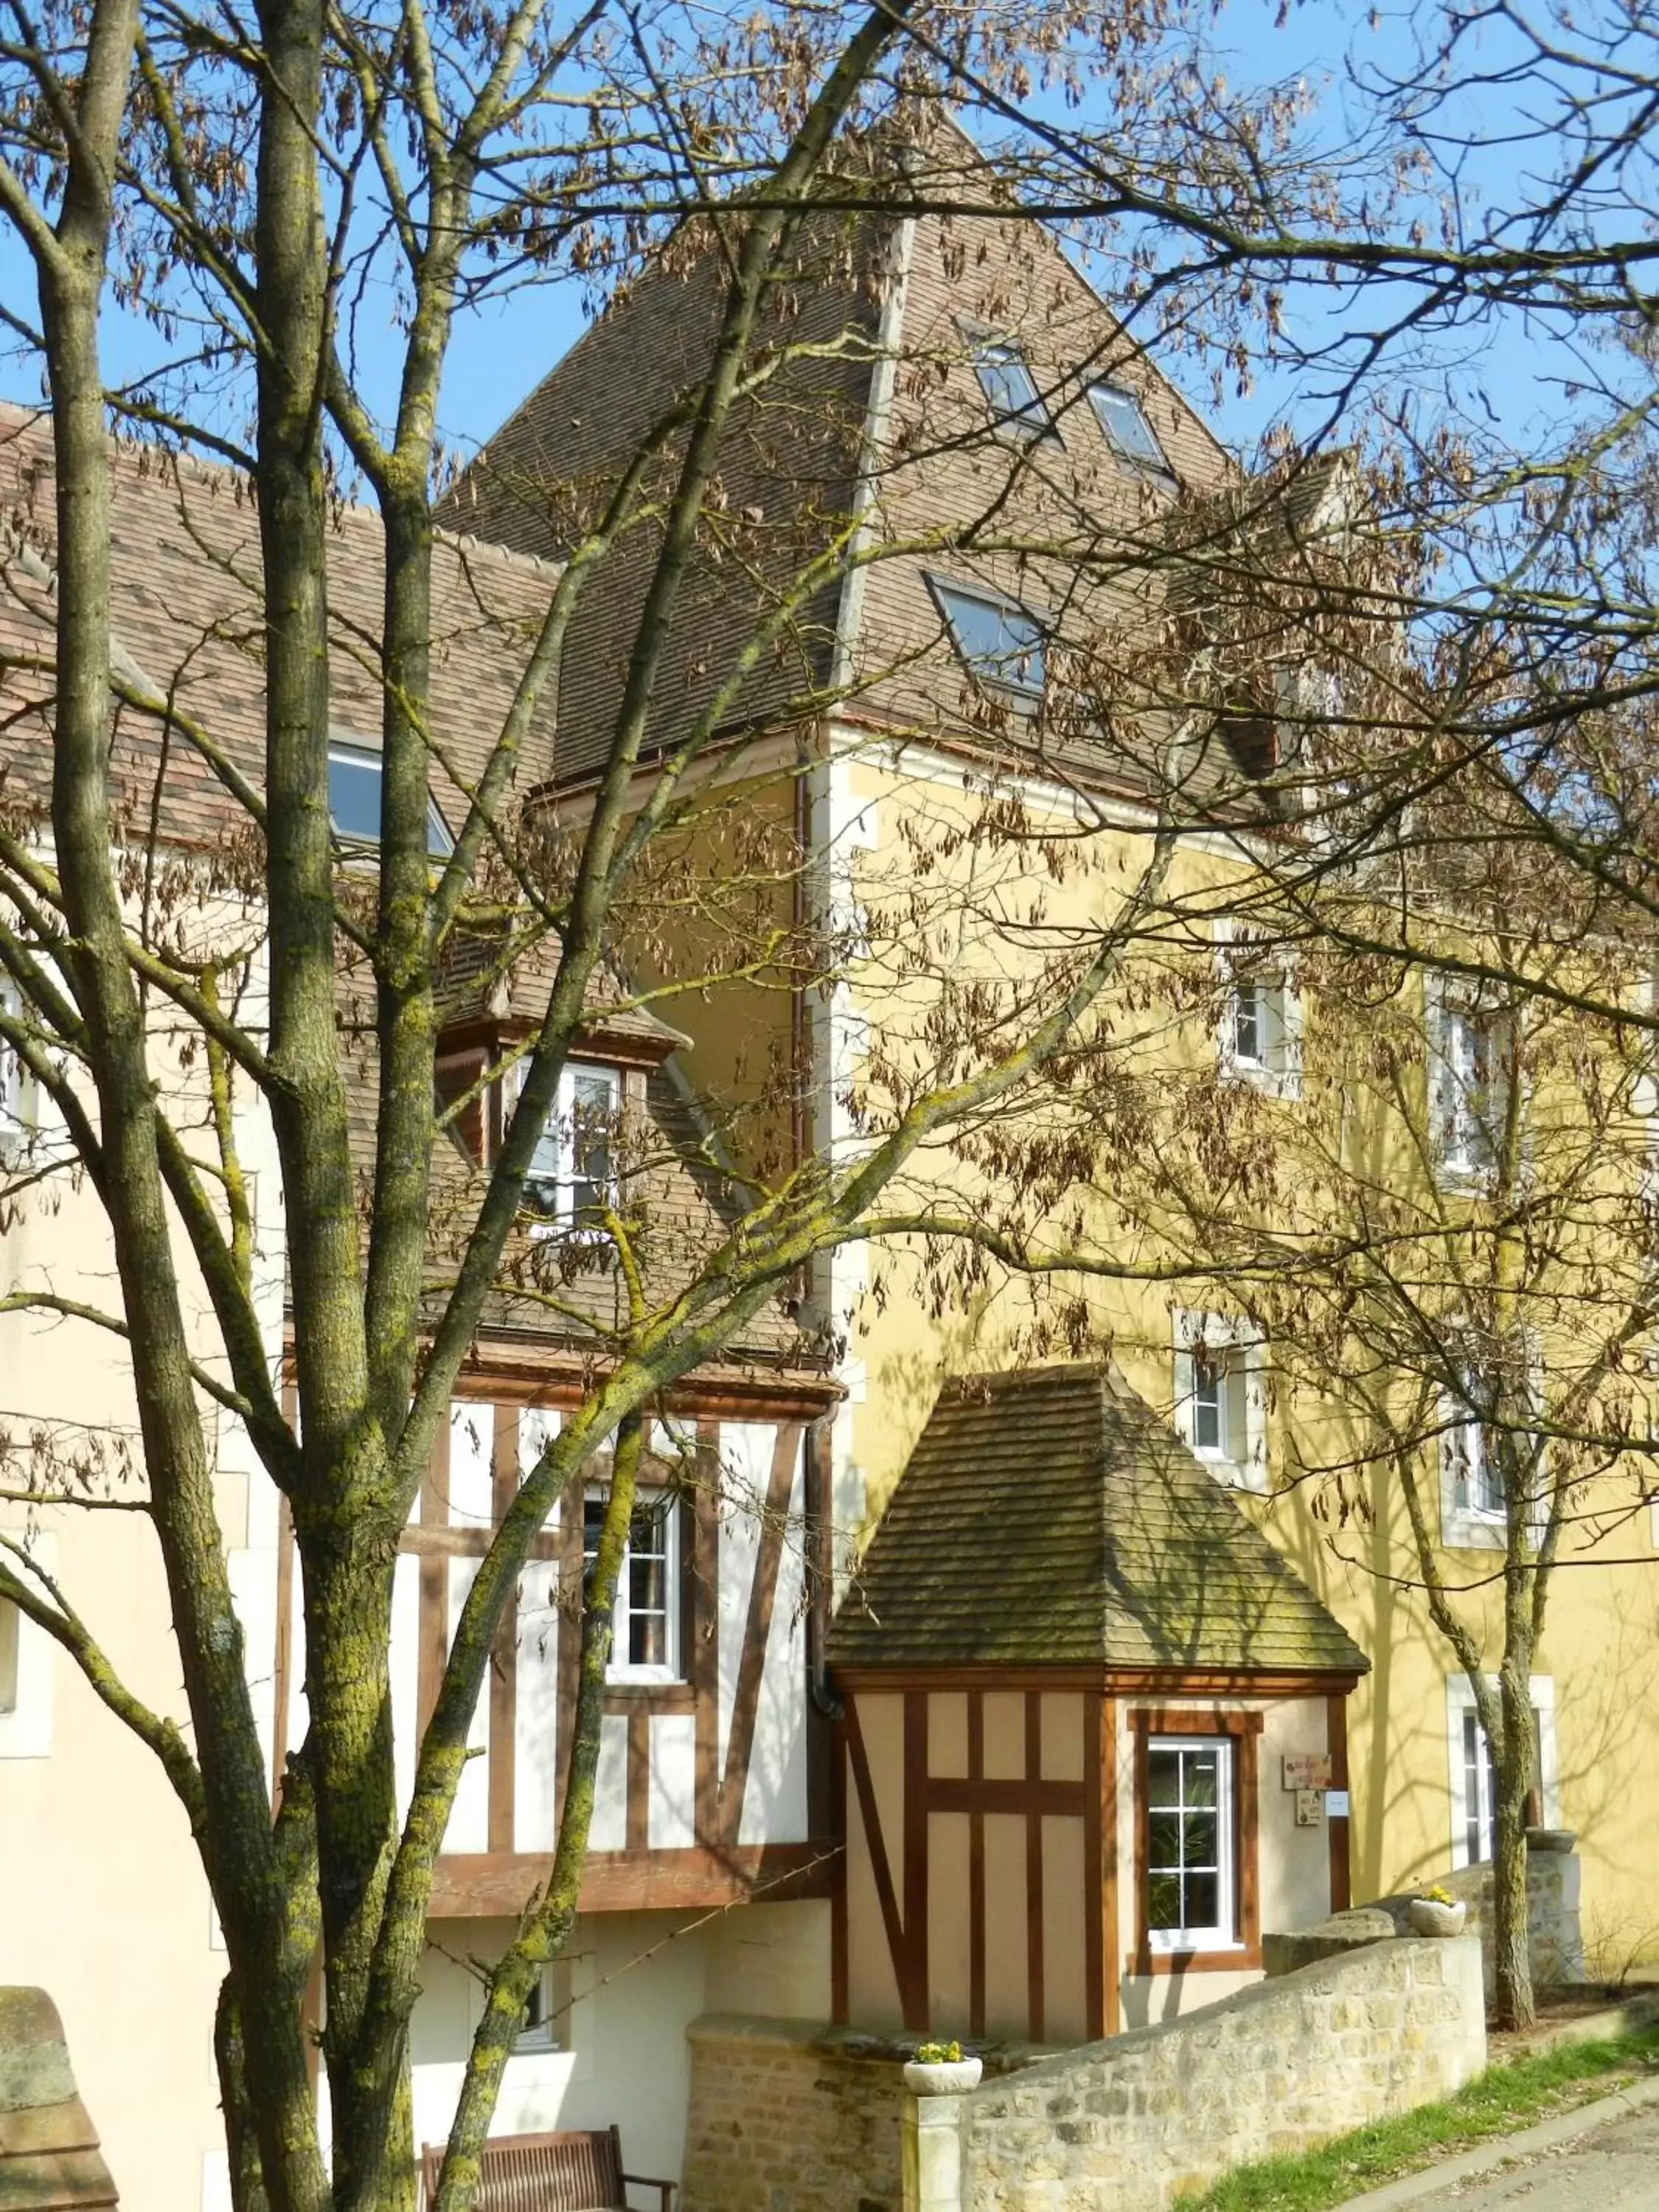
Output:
x=1438 y=1894
x=939 y=2054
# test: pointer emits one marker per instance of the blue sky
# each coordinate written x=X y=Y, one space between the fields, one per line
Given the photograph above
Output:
x=502 y=349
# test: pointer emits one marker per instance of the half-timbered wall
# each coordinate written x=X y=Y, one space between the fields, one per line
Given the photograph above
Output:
x=996 y=1853
x=704 y=1788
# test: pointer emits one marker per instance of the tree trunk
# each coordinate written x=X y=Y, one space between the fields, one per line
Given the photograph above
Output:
x=1511 y=1950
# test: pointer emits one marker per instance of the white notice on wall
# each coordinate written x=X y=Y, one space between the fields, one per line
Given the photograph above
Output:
x=1336 y=1805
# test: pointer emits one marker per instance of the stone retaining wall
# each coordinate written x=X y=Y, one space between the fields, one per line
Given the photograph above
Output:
x=788 y=2116
x=1277 y=2069
x=1554 y=1935
x=789 y=2113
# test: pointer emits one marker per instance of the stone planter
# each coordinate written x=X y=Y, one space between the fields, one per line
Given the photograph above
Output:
x=1551 y=1839
x=950 y=2077
x=1428 y=1918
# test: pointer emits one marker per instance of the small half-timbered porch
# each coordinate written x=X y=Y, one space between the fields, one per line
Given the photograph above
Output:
x=1093 y=1726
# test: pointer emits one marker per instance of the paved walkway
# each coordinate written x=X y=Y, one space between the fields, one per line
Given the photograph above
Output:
x=1602 y=2157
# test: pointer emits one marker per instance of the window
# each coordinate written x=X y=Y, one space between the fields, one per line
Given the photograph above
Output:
x=1476 y=1464
x=1000 y=642
x=1189 y=1844
x=1261 y=1039
x=646 y=1624
x=1480 y=1414
x=573 y=1170
x=1474 y=1771
x=17 y=1089
x=1220 y=1410
x=354 y=801
x=1471 y=1053
x=545 y=2026
x=1123 y=419
x=1217 y=1401
x=1005 y=376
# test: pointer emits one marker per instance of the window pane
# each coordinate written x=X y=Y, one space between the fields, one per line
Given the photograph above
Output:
x=354 y=792
x=1163 y=1840
x=1203 y=1905
x=592 y=1112
x=1472 y=1781
x=1124 y=421
x=1203 y=1836
x=1199 y=1777
x=1208 y=1393
x=1164 y=1900
x=354 y=801
x=1001 y=643
x=1164 y=1777
x=1011 y=388
x=1247 y=1022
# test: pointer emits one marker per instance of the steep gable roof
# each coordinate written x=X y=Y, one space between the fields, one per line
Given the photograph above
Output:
x=1050 y=1518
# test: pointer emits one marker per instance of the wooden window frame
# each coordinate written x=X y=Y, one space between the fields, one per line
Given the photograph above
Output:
x=1243 y=1730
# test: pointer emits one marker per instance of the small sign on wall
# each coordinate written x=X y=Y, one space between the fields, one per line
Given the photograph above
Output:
x=1336 y=1805
x=1307 y=1770
x=1309 y=1807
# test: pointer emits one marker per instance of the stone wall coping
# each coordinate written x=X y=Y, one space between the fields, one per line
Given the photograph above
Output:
x=1413 y=1951
x=753 y=2030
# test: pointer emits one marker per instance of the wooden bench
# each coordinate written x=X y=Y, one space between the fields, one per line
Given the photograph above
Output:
x=580 y=2172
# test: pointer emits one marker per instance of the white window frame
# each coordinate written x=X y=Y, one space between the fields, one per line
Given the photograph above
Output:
x=1460 y=1704
x=1276 y=1067
x=1242 y=1460
x=1463 y=1139
x=559 y=1136
x=1224 y=1936
x=1466 y=1524
x=25 y=1725
x=621 y=1668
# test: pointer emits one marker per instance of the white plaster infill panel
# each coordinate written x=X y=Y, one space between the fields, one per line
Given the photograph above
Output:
x=672 y=1805
x=471 y=1481
x=469 y=1816
x=747 y=1449
x=608 y=1830
x=775 y=1801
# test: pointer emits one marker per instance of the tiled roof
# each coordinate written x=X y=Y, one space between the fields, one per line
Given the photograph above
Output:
x=50 y=2160
x=188 y=621
x=485 y=977
x=1050 y=1518
x=187 y=618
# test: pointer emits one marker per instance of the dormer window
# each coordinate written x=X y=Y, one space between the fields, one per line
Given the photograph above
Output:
x=1000 y=642
x=1006 y=378
x=1124 y=420
x=354 y=801
x=573 y=1171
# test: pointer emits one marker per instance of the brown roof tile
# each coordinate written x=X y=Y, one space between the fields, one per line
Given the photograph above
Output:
x=1051 y=1518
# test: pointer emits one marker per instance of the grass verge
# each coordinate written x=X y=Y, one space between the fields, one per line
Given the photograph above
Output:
x=1505 y=2097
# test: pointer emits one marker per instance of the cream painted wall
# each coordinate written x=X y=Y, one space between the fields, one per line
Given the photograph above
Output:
x=102 y=1900
x=637 y=1981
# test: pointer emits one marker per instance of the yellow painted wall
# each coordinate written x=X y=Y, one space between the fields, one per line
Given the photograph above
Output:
x=1600 y=1646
